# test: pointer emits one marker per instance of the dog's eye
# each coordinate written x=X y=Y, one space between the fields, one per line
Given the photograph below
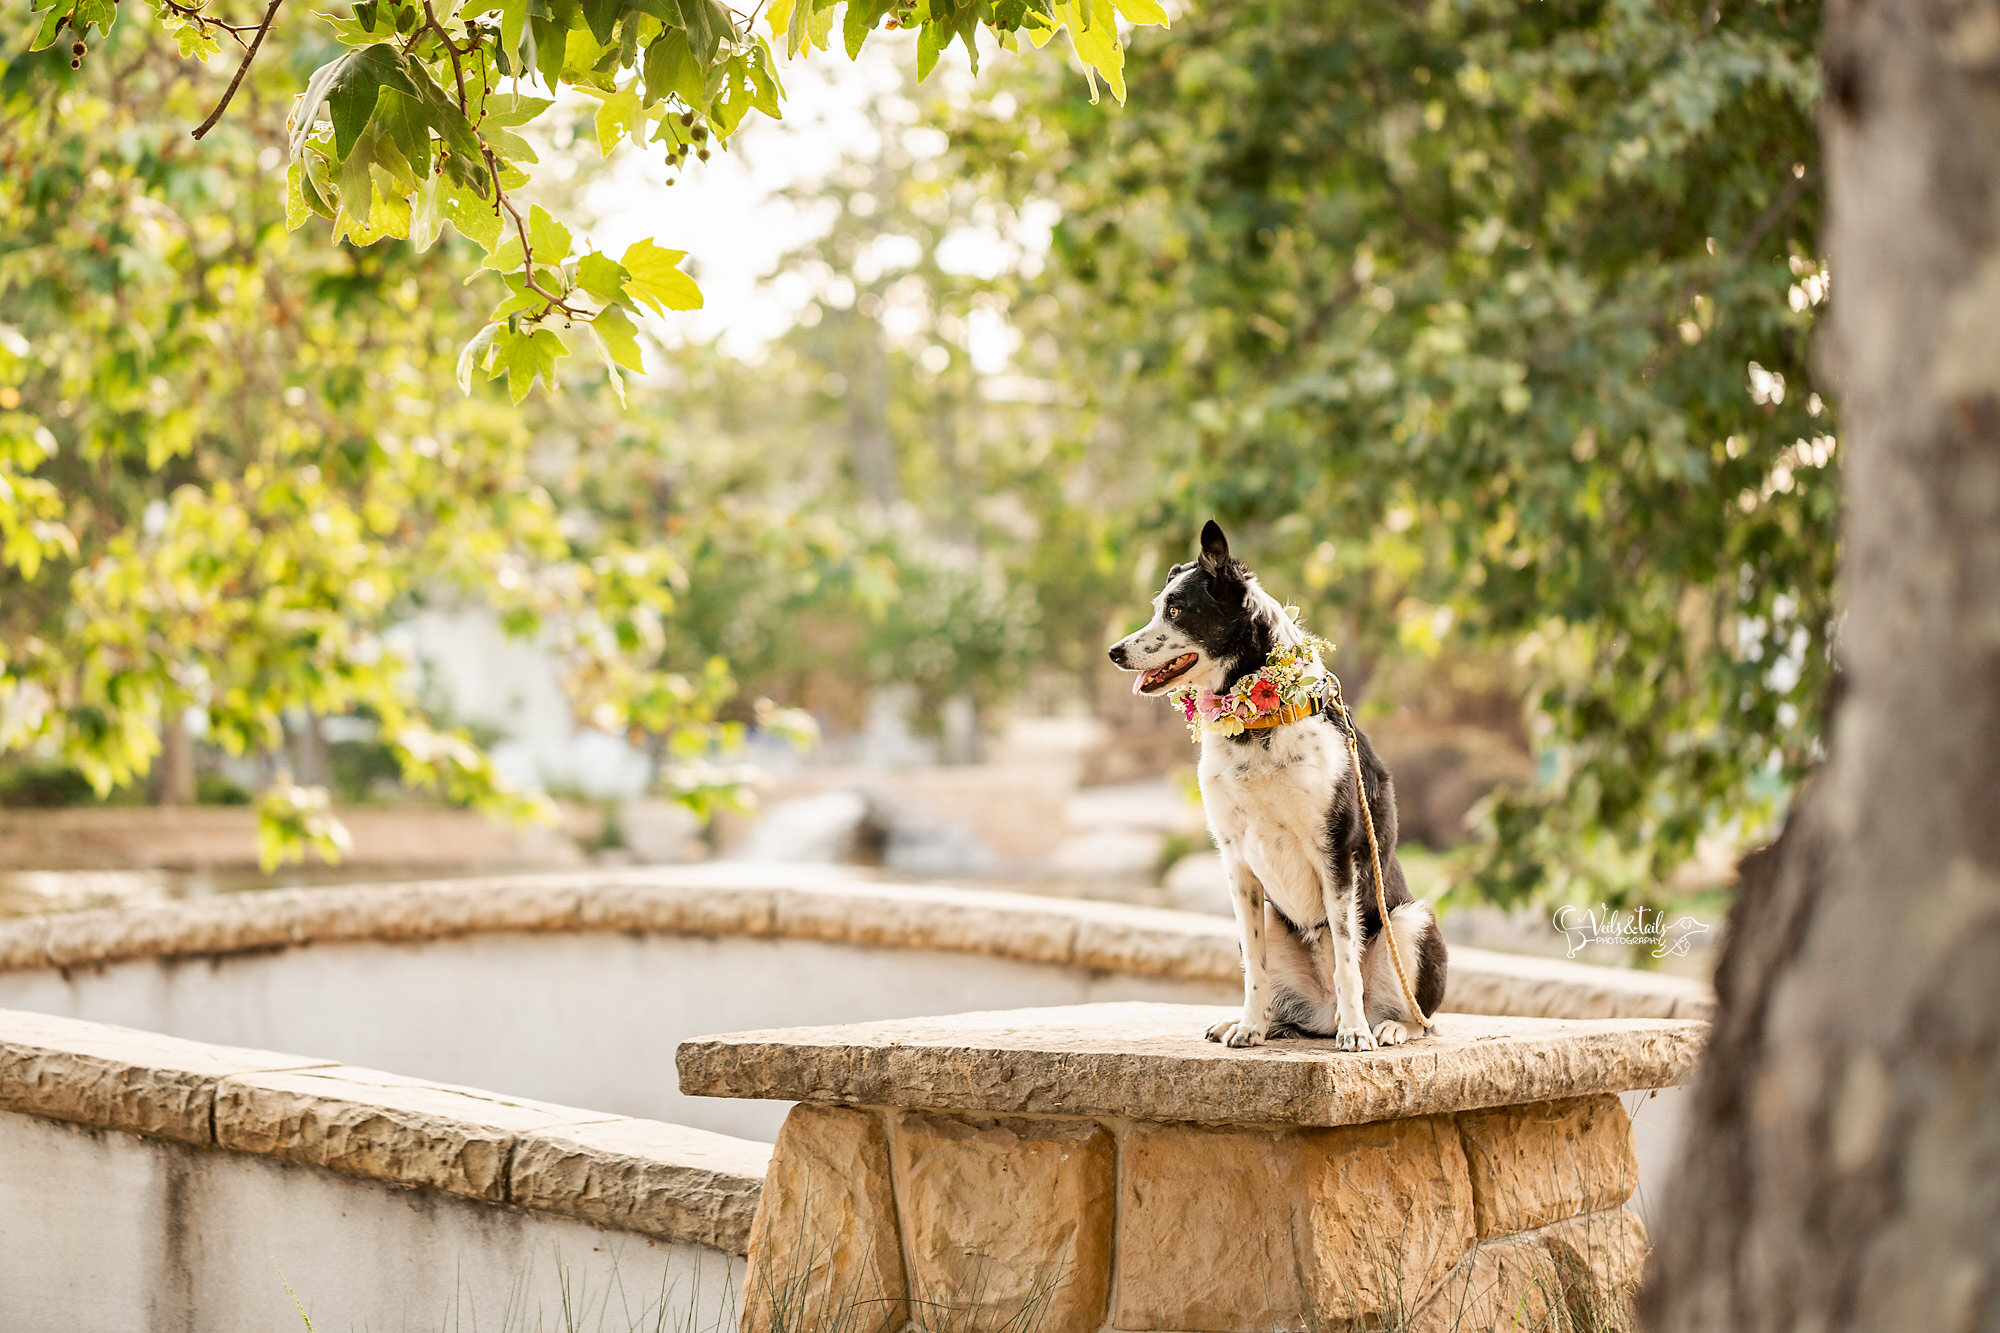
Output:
x=1173 y=613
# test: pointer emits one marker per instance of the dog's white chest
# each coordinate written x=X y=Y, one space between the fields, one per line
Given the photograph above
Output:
x=1269 y=804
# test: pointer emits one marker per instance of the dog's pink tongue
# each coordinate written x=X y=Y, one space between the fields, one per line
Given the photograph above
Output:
x=1139 y=685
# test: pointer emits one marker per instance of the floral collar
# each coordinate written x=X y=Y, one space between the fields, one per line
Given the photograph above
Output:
x=1290 y=685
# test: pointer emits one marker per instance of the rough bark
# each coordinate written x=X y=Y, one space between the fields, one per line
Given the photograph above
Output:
x=1844 y=1161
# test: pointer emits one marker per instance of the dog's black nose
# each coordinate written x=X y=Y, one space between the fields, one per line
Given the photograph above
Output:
x=1118 y=653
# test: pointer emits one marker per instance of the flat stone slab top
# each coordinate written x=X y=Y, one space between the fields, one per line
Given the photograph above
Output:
x=1151 y=1062
x=669 y=1182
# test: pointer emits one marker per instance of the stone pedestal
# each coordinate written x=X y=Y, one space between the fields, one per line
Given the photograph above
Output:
x=1103 y=1167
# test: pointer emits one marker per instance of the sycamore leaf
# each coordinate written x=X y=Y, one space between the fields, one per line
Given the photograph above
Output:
x=657 y=280
x=550 y=239
x=296 y=207
x=619 y=116
x=473 y=355
x=52 y=26
x=550 y=37
x=862 y=16
x=525 y=357
x=601 y=16
x=513 y=25
x=620 y=337
x=601 y=276
x=192 y=38
x=1144 y=13
x=671 y=68
x=357 y=81
x=477 y=218
x=927 y=50
x=1093 y=31
x=521 y=297
x=513 y=109
x=764 y=89
x=707 y=23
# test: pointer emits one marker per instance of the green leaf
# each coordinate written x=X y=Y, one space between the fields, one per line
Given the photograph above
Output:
x=52 y=27
x=671 y=68
x=513 y=23
x=474 y=355
x=657 y=280
x=521 y=298
x=927 y=50
x=620 y=115
x=356 y=85
x=620 y=337
x=296 y=208
x=764 y=90
x=427 y=218
x=99 y=14
x=551 y=39
x=476 y=218
x=524 y=358
x=602 y=18
x=1144 y=13
x=798 y=27
x=707 y=24
x=862 y=16
x=513 y=109
x=601 y=276
x=1093 y=31
x=192 y=39
x=550 y=239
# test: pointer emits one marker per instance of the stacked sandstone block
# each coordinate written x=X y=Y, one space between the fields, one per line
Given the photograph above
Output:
x=1014 y=1172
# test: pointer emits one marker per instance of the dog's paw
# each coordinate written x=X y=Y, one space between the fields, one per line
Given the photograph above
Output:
x=1236 y=1032
x=1353 y=1039
x=1390 y=1032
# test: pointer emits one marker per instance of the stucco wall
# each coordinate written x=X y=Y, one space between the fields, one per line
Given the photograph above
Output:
x=107 y=1232
x=582 y=1019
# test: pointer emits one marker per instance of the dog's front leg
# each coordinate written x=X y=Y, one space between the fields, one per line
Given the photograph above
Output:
x=1350 y=1017
x=1246 y=895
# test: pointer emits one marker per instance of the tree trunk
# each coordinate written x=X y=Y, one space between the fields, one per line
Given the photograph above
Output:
x=173 y=772
x=1844 y=1153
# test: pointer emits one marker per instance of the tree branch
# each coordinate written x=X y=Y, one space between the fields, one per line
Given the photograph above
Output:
x=457 y=70
x=1774 y=212
x=501 y=201
x=193 y=14
x=241 y=69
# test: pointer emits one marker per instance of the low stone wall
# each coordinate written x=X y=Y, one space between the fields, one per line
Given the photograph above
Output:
x=1104 y=1168
x=576 y=987
x=211 y=1176
x=149 y=1182
x=786 y=902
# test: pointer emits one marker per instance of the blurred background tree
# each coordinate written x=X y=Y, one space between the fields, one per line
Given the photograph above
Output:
x=1484 y=327
x=245 y=461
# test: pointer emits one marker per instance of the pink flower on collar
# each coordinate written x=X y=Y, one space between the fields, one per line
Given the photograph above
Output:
x=1265 y=695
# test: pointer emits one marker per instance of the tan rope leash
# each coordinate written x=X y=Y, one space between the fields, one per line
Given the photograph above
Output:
x=1375 y=855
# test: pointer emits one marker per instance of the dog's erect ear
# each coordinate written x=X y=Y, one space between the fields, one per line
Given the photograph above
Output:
x=1214 y=546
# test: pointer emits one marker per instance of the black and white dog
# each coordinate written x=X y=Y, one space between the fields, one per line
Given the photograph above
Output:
x=1280 y=802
